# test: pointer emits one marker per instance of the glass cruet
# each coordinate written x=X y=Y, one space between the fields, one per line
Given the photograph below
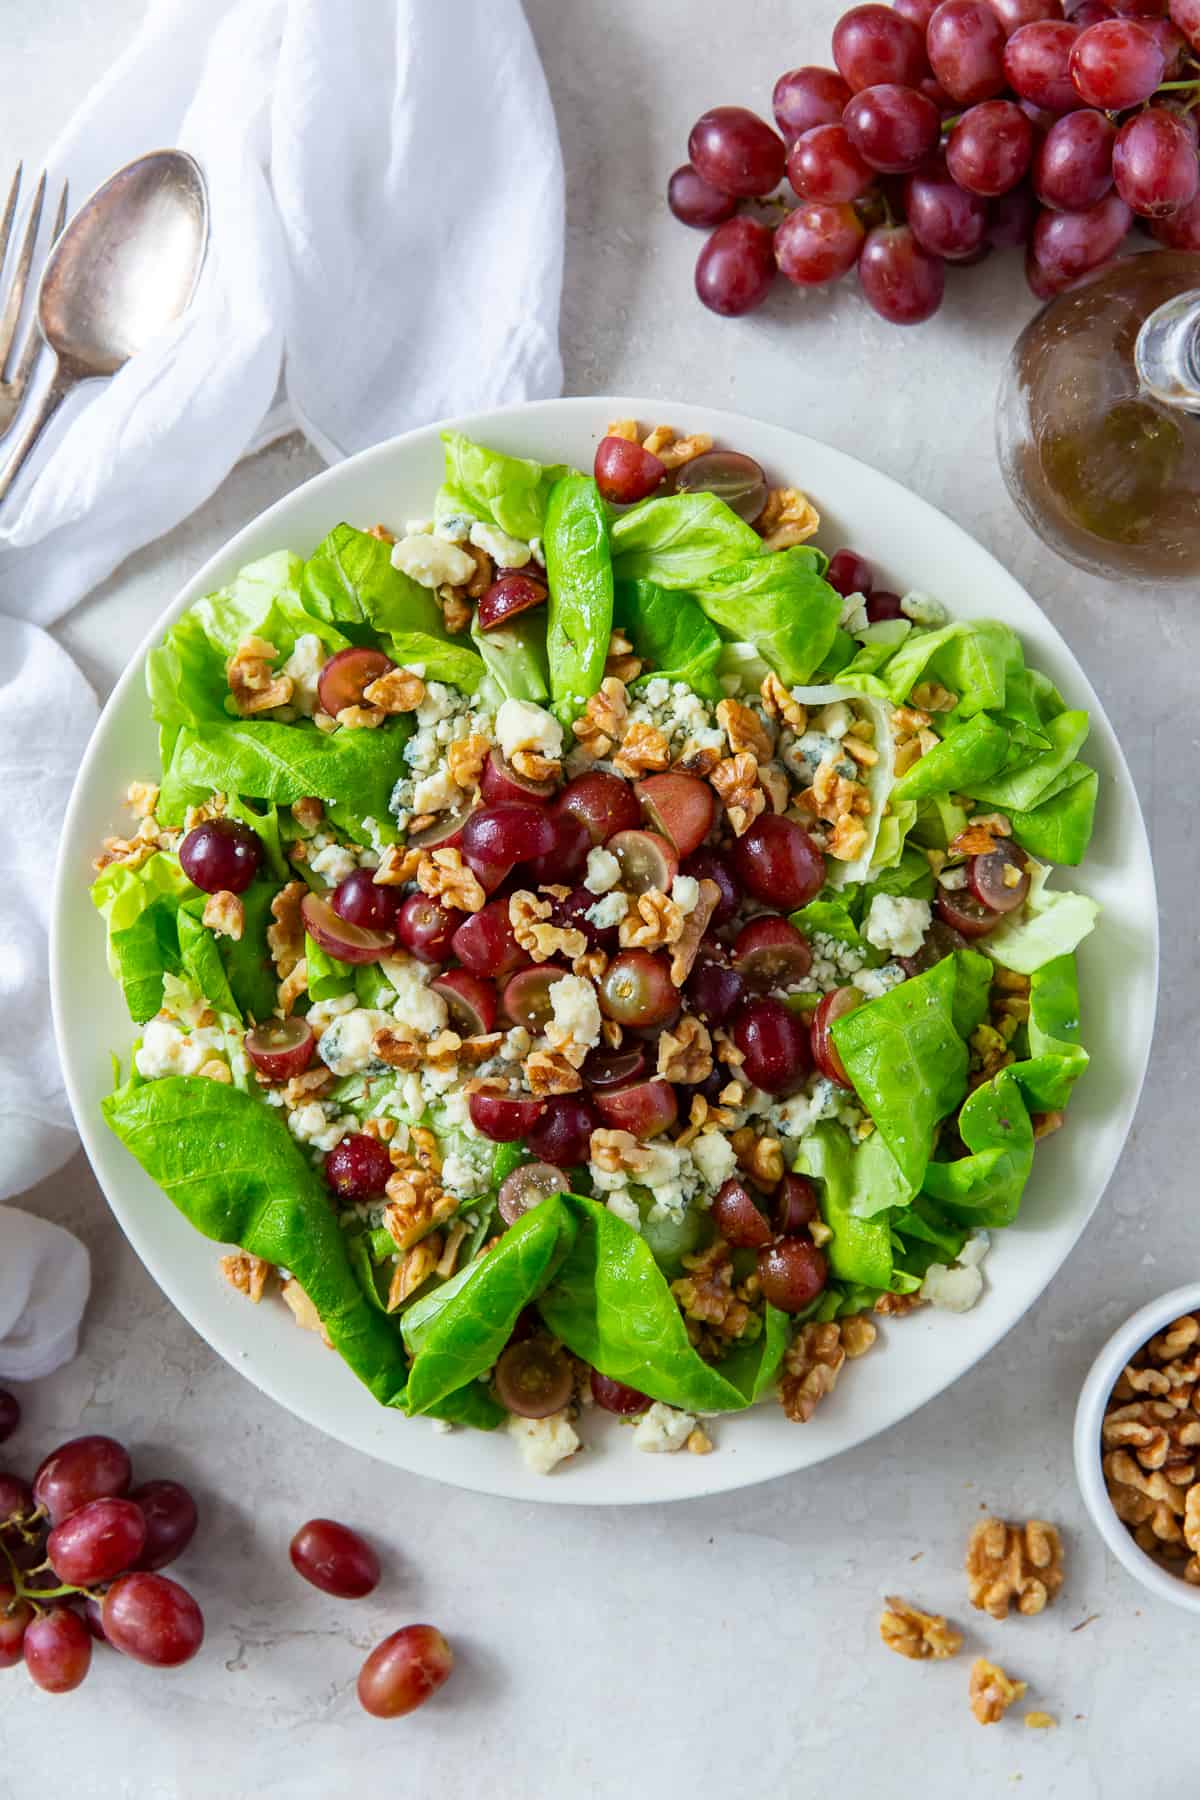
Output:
x=1098 y=420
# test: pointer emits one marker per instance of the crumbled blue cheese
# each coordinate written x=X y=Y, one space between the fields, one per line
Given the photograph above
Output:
x=608 y=912
x=432 y=561
x=663 y=1429
x=833 y=720
x=465 y=1176
x=603 y=871
x=454 y=527
x=623 y=1205
x=417 y=527
x=715 y=1158
x=685 y=892
x=804 y=755
x=520 y=725
x=804 y=1110
x=313 y=1126
x=444 y=716
x=166 y=1050
x=435 y=793
x=506 y=552
x=678 y=712
x=897 y=923
x=323 y=1012
x=304 y=666
x=953 y=878
x=347 y=1045
x=416 y=1006
x=854 y=616
x=576 y=1011
x=923 y=609
x=544 y=1443
x=334 y=863
x=957 y=1289
x=874 y=982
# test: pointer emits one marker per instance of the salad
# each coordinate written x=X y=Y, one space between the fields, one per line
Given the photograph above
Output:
x=591 y=950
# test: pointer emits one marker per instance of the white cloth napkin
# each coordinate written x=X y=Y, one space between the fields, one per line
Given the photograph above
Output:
x=44 y=1279
x=386 y=195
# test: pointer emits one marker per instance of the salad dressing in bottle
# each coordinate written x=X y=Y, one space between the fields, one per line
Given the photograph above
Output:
x=1098 y=420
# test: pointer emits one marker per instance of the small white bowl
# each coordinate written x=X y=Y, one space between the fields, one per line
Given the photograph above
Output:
x=1152 y=1318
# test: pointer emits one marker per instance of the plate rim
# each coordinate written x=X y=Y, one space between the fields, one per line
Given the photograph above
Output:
x=709 y=1475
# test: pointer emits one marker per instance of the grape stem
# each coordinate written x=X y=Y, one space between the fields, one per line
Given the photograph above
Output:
x=35 y=1594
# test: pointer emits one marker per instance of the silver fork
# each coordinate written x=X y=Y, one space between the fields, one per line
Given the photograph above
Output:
x=12 y=387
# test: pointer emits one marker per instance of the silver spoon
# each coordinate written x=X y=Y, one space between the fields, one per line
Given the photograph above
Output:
x=124 y=269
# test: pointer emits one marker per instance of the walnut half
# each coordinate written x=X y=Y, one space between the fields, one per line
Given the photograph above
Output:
x=1013 y=1564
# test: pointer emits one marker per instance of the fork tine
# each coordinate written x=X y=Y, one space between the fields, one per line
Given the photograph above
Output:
x=16 y=294
x=10 y=207
x=19 y=380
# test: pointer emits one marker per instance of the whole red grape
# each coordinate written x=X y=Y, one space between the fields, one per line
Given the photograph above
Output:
x=874 y=43
x=806 y=97
x=1154 y=163
x=152 y=1619
x=990 y=148
x=824 y=165
x=83 y=1469
x=404 y=1670
x=736 y=152
x=893 y=128
x=170 y=1514
x=58 y=1650
x=1116 y=64
x=1037 y=64
x=1073 y=167
x=1180 y=230
x=965 y=42
x=817 y=243
x=695 y=201
x=334 y=1558
x=945 y=219
x=1068 y=245
x=899 y=278
x=735 y=268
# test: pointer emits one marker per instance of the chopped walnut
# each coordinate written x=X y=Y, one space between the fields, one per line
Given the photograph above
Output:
x=698 y=1442
x=760 y=1157
x=745 y=730
x=416 y=1204
x=248 y=1274
x=864 y=754
x=706 y=1294
x=1158 y=1434
x=695 y=924
x=285 y=938
x=303 y=1310
x=413 y=1269
x=685 y=1052
x=623 y=428
x=398 y=865
x=529 y=918
x=604 y=718
x=644 y=750
x=917 y=1635
x=361 y=718
x=382 y=533
x=673 y=451
x=308 y=812
x=736 y=780
x=617 y=1151
x=481 y=1048
x=551 y=1072
x=773 y=780
x=457 y=612
x=897 y=1306
x=811 y=1365
x=980 y=835
x=858 y=1334
x=991 y=1691
x=1040 y=1721
x=444 y=876
x=788 y=517
x=932 y=697
x=653 y=921
x=465 y=758
x=294 y=983
x=215 y=1070
x=621 y=661
x=254 y=688
x=848 y=839
x=1013 y=1563
x=224 y=915
x=782 y=704
x=303 y=1088
x=399 y=691
x=141 y=797
x=533 y=766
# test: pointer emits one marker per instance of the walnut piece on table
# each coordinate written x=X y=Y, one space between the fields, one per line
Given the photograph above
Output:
x=1008 y=1565
x=991 y=1691
x=918 y=1635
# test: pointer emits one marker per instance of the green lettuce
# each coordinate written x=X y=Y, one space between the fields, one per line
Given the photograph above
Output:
x=1052 y=923
x=354 y=770
x=509 y=491
x=579 y=571
x=1059 y=827
x=515 y=656
x=1022 y=785
x=860 y=1249
x=327 y=976
x=671 y=635
x=779 y=602
x=960 y=763
x=1056 y=1057
x=680 y=540
x=139 y=908
x=349 y=580
x=984 y=1187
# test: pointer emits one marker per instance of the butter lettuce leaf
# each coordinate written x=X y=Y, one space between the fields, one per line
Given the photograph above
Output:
x=984 y=1188
x=681 y=539
x=1052 y=923
x=580 y=608
x=780 y=602
x=356 y=770
x=1059 y=827
x=515 y=656
x=512 y=492
x=963 y=760
x=671 y=634
x=1031 y=778
x=139 y=908
x=349 y=580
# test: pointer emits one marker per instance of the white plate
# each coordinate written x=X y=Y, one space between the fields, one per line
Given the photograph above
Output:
x=913 y=546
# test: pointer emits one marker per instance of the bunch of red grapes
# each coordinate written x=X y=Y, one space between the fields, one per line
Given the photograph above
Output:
x=947 y=131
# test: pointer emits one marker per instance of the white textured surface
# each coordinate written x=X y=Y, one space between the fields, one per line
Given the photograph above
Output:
x=723 y=1646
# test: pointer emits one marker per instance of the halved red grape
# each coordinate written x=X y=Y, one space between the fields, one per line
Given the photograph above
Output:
x=714 y=991
x=496 y=838
x=152 y=1619
x=824 y=165
x=446 y=831
x=848 y=573
x=770 y=953
x=170 y=1515
x=348 y=674
x=899 y=279
x=505 y=1118
x=349 y=943
x=990 y=148
x=736 y=267
x=509 y=597
x=795 y=1205
x=625 y=472
x=526 y=998
x=892 y=128
x=647 y=861
x=817 y=243
x=1154 y=163
x=616 y=1396
x=426 y=929
x=1116 y=64
x=563 y=1134
x=944 y=219
x=602 y=802
x=709 y=865
x=221 y=856
x=566 y=859
x=533 y=1379
x=777 y=862
x=734 y=478
x=806 y=97
x=695 y=201
x=737 y=1218
x=58 y=1650
x=941 y=940
x=1068 y=245
x=361 y=900
x=527 y=1186
x=500 y=781
x=644 y=1107
x=614 y=1068
x=96 y=1542
x=636 y=989
x=486 y=943
x=335 y=1559
x=679 y=807
x=14 y=1620
x=825 y=1053
x=964 y=913
x=999 y=880
x=1037 y=63
x=873 y=44
x=1073 y=167
x=10 y=1414
x=791 y=1273
x=83 y=1469
x=471 y=1001
x=774 y=1045
x=358 y=1167
x=403 y=1671
x=736 y=151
